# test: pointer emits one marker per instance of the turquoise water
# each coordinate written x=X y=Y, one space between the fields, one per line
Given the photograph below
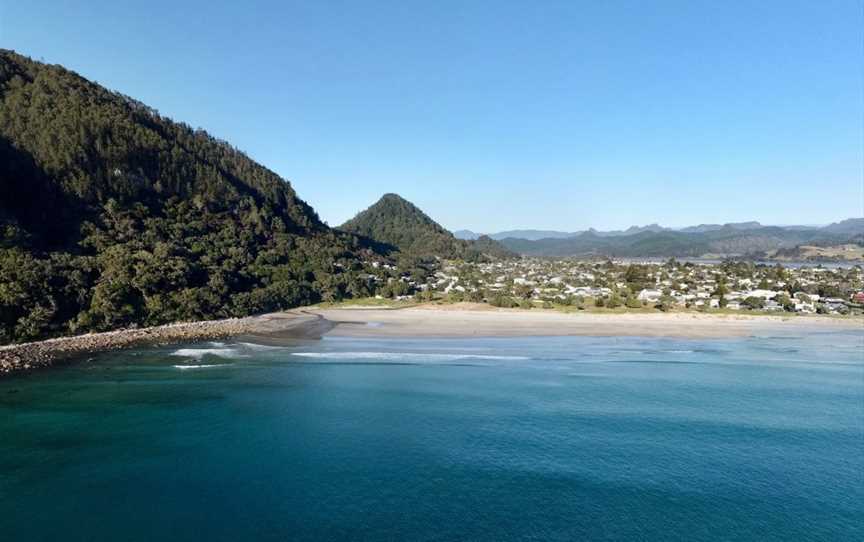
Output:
x=574 y=438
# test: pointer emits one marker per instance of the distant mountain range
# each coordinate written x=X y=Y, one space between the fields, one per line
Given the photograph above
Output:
x=733 y=239
x=531 y=235
x=728 y=240
x=850 y=226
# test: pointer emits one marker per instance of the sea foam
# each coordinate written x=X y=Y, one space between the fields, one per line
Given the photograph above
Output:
x=403 y=356
x=201 y=352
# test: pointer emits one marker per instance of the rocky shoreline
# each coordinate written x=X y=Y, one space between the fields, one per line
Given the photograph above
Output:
x=35 y=355
x=17 y=358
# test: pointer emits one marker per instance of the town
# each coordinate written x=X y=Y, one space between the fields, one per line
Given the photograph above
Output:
x=600 y=285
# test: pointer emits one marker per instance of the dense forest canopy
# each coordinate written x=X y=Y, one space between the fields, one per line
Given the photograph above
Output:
x=86 y=144
x=112 y=215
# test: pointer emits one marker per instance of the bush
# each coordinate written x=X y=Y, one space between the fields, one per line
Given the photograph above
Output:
x=499 y=300
x=754 y=303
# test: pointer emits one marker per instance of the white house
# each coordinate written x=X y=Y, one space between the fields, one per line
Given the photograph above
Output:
x=764 y=294
x=649 y=295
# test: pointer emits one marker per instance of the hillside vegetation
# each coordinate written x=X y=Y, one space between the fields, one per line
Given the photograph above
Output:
x=396 y=222
x=112 y=215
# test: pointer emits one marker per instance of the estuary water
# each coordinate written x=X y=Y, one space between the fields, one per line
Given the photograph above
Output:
x=566 y=438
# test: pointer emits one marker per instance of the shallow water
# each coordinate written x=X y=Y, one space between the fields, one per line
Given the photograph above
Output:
x=567 y=438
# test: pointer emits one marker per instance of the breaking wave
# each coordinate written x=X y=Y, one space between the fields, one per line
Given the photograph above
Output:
x=403 y=356
x=185 y=367
x=201 y=352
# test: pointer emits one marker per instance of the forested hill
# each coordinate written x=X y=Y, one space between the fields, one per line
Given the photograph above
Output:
x=88 y=144
x=112 y=215
x=399 y=223
x=727 y=241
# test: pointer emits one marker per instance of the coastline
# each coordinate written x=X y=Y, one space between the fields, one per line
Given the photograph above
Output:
x=278 y=327
x=475 y=320
x=434 y=321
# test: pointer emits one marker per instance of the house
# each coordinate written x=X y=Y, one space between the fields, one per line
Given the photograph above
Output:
x=804 y=307
x=764 y=294
x=649 y=295
x=772 y=305
x=834 y=304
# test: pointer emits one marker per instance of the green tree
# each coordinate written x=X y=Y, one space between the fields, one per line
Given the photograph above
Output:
x=754 y=303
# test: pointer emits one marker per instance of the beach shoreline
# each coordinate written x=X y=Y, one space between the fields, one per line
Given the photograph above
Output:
x=477 y=320
x=282 y=326
x=429 y=320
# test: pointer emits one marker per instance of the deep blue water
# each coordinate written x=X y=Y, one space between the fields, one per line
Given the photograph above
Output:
x=574 y=438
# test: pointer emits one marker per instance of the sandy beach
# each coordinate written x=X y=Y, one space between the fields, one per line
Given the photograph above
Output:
x=466 y=320
x=456 y=320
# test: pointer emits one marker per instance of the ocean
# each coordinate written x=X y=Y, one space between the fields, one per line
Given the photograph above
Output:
x=564 y=438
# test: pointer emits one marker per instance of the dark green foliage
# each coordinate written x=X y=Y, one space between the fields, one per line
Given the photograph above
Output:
x=665 y=303
x=500 y=300
x=488 y=247
x=38 y=293
x=83 y=145
x=396 y=222
x=632 y=302
x=754 y=303
x=636 y=277
x=111 y=216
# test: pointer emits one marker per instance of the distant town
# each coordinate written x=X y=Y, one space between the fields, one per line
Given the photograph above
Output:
x=603 y=285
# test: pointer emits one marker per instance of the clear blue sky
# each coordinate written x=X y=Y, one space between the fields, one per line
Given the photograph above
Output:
x=496 y=115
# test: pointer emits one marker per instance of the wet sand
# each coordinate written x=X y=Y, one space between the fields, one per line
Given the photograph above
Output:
x=467 y=320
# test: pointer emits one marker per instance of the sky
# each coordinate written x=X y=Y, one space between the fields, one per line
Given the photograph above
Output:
x=501 y=115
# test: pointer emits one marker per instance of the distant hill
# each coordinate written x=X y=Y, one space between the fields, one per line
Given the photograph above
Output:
x=532 y=235
x=466 y=235
x=397 y=222
x=726 y=241
x=736 y=238
x=491 y=248
x=632 y=230
x=112 y=215
x=850 y=226
x=702 y=228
